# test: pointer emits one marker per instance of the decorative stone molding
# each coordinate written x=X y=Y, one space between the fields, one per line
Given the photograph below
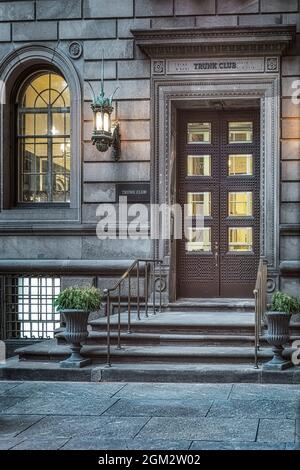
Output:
x=158 y=67
x=272 y=64
x=14 y=64
x=170 y=94
x=196 y=42
x=271 y=285
x=75 y=49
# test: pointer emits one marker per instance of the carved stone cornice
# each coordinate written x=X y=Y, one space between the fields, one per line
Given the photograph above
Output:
x=227 y=41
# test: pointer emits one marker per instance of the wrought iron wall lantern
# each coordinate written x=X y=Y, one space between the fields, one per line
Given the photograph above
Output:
x=106 y=133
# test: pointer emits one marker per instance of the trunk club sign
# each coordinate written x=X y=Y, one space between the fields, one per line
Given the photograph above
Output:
x=196 y=66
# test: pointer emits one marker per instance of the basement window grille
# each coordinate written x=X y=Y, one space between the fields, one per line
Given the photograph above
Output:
x=27 y=305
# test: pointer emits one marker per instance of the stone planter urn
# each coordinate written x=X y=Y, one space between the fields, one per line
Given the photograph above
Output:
x=75 y=334
x=278 y=335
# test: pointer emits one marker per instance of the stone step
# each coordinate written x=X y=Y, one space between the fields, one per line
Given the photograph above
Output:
x=212 y=304
x=50 y=351
x=167 y=322
x=154 y=372
x=145 y=339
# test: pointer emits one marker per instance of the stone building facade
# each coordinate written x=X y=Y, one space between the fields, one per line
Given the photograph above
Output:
x=69 y=37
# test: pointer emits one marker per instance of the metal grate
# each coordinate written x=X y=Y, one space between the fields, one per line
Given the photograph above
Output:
x=27 y=306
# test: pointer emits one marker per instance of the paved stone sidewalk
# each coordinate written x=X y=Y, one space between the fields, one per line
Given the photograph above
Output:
x=70 y=415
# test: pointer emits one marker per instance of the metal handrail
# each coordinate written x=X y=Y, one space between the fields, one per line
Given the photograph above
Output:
x=135 y=266
x=260 y=296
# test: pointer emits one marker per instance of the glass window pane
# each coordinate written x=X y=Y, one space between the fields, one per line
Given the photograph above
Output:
x=44 y=162
x=29 y=98
x=199 y=133
x=41 y=125
x=240 y=132
x=240 y=165
x=58 y=124
x=240 y=238
x=34 y=157
x=61 y=188
x=199 y=165
x=198 y=239
x=240 y=204
x=34 y=188
x=199 y=203
x=61 y=155
x=58 y=83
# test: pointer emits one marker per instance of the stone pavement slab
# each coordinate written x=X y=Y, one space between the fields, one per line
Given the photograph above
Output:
x=175 y=391
x=104 y=427
x=8 y=386
x=7 y=443
x=70 y=415
x=159 y=407
x=123 y=444
x=225 y=429
x=257 y=408
x=71 y=405
x=53 y=443
x=276 y=430
x=271 y=391
x=65 y=389
x=8 y=402
x=213 y=445
x=13 y=425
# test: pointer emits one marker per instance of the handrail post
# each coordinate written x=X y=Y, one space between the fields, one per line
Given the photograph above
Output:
x=129 y=305
x=256 y=333
x=119 y=318
x=153 y=294
x=160 y=285
x=107 y=313
x=146 y=288
x=138 y=289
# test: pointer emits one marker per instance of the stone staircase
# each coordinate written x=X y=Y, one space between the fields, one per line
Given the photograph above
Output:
x=212 y=334
x=207 y=332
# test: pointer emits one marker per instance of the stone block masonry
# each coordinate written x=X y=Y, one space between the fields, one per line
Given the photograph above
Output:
x=106 y=25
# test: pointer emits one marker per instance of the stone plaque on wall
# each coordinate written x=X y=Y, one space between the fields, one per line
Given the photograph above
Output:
x=215 y=65
x=135 y=192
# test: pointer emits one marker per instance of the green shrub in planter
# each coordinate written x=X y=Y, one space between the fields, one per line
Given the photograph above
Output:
x=278 y=335
x=282 y=302
x=76 y=303
x=79 y=298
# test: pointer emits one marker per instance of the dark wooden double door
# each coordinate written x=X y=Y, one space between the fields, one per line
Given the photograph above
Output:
x=218 y=169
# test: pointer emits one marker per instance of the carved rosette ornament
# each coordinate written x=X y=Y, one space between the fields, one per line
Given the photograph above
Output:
x=75 y=50
x=158 y=67
x=272 y=64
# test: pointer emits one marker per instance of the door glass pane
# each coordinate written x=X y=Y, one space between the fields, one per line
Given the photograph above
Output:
x=199 y=203
x=198 y=239
x=199 y=133
x=240 y=165
x=240 y=132
x=240 y=204
x=240 y=239
x=198 y=165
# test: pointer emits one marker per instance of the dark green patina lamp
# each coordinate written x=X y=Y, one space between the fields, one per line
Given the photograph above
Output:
x=105 y=133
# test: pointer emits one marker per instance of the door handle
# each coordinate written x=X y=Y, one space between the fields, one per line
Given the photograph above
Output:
x=216 y=254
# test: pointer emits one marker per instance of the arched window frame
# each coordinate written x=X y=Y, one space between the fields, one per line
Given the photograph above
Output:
x=13 y=69
x=49 y=138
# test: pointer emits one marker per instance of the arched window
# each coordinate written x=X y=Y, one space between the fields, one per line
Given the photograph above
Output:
x=43 y=136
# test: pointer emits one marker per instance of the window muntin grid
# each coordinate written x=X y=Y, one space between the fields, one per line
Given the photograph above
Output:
x=28 y=307
x=44 y=151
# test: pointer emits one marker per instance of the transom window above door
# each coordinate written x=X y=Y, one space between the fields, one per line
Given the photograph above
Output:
x=44 y=151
